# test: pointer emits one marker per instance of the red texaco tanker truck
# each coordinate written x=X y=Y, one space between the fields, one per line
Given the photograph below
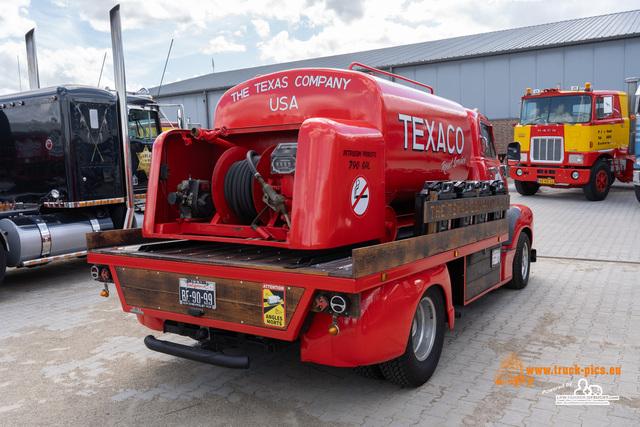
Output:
x=331 y=207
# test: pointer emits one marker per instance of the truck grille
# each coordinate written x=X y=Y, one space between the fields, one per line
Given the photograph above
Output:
x=547 y=150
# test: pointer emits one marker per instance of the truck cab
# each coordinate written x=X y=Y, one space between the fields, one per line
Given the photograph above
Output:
x=144 y=128
x=485 y=162
x=61 y=169
x=572 y=139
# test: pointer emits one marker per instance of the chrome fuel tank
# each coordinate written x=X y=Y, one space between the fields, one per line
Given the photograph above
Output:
x=40 y=236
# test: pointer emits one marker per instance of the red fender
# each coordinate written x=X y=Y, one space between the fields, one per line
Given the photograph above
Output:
x=524 y=223
x=382 y=331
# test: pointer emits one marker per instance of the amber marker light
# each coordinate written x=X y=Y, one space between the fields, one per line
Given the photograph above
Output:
x=333 y=329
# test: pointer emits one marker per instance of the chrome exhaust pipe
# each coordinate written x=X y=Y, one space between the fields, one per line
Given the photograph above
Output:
x=32 y=60
x=121 y=89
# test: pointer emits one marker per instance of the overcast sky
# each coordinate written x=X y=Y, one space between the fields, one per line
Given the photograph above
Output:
x=72 y=36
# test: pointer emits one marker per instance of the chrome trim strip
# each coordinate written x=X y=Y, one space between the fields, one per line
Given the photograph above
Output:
x=45 y=236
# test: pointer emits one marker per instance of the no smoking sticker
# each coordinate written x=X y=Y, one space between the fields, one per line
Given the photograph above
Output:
x=360 y=196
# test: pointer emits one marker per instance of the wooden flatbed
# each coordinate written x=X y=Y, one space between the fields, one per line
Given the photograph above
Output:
x=350 y=263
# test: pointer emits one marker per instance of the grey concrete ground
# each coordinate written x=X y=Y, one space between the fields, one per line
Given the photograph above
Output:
x=70 y=357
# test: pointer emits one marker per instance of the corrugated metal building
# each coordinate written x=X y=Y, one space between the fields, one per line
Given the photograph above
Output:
x=489 y=71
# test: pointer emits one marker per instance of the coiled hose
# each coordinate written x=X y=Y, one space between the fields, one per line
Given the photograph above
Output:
x=238 y=188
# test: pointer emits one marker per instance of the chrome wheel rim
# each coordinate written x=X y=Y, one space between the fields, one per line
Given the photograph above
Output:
x=423 y=329
x=525 y=260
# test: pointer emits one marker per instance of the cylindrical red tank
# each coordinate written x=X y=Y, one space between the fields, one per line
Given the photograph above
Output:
x=356 y=150
x=426 y=137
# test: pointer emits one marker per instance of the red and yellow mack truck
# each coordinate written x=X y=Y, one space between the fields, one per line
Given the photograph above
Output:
x=329 y=207
x=572 y=139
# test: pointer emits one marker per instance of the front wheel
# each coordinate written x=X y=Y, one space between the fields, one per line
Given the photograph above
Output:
x=419 y=360
x=527 y=188
x=637 y=187
x=599 y=183
x=521 y=263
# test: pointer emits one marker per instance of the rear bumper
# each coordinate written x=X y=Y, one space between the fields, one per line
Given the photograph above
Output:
x=196 y=353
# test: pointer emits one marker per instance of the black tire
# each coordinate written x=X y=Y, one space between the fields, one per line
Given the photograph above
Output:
x=3 y=263
x=637 y=187
x=527 y=188
x=419 y=360
x=370 y=371
x=521 y=263
x=600 y=181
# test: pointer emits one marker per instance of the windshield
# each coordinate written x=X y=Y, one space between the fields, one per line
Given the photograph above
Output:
x=556 y=109
x=143 y=124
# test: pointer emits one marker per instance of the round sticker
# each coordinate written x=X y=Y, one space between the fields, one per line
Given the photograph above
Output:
x=48 y=144
x=360 y=196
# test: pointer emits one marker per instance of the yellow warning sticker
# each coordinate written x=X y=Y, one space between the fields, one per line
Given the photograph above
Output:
x=273 y=306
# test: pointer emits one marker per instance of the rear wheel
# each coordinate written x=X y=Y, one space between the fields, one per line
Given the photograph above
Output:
x=600 y=181
x=521 y=263
x=638 y=192
x=370 y=371
x=416 y=365
x=527 y=188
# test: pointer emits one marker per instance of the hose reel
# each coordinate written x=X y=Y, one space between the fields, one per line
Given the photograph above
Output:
x=238 y=188
x=238 y=192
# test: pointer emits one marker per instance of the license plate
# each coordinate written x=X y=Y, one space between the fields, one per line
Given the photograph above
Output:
x=198 y=293
x=546 y=181
x=495 y=257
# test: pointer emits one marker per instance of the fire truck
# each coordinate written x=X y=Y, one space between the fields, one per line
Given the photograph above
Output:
x=70 y=163
x=332 y=208
x=571 y=139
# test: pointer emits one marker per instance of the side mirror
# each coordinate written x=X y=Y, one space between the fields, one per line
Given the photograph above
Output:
x=485 y=144
x=513 y=152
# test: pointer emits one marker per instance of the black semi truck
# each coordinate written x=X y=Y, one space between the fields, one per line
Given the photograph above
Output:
x=69 y=166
